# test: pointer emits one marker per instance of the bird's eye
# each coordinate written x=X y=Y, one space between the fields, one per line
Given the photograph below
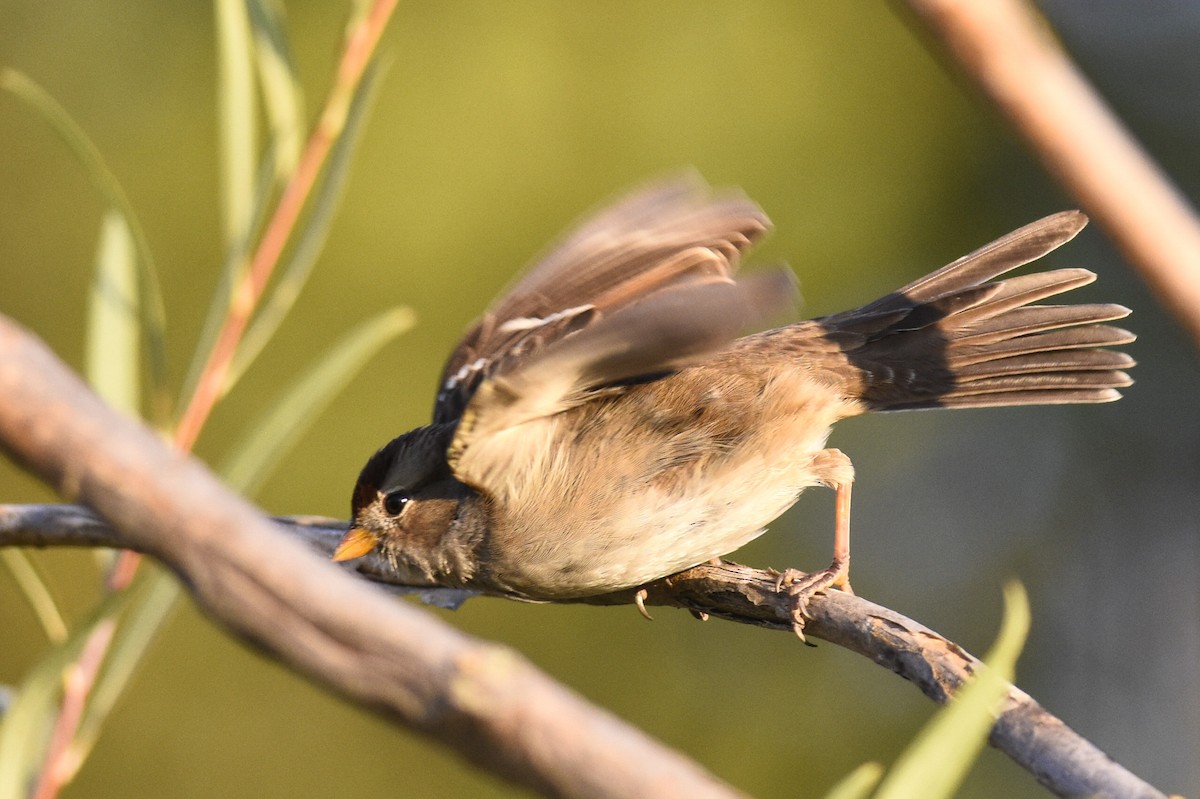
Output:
x=394 y=502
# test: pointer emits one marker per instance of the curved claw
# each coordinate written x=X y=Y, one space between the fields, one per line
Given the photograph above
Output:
x=801 y=588
x=639 y=599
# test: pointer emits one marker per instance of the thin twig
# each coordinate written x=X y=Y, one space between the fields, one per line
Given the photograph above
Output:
x=359 y=48
x=1009 y=52
x=57 y=770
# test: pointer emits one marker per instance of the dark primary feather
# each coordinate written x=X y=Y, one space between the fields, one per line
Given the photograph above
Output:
x=1024 y=245
x=957 y=338
x=662 y=236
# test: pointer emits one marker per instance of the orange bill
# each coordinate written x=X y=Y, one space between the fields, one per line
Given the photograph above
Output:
x=354 y=544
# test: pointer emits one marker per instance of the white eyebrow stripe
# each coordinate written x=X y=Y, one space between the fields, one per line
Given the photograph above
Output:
x=529 y=322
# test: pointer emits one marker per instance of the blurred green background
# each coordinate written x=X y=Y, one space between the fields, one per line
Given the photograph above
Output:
x=496 y=126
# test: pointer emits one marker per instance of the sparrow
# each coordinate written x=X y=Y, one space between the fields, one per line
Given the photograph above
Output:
x=603 y=425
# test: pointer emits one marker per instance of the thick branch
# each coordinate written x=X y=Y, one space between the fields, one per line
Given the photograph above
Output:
x=1058 y=757
x=481 y=699
x=1010 y=53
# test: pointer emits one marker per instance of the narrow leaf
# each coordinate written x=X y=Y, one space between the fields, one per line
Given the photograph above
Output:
x=150 y=305
x=282 y=95
x=236 y=262
x=300 y=404
x=236 y=119
x=938 y=759
x=112 y=358
x=858 y=783
x=313 y=234
x=33 y=587
x=24 y=728
x=113 y=326
x=157 y=596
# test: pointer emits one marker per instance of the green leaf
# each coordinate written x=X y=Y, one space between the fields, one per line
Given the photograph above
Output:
x=282 y=94
x=938 y=759
x=858 y=783
x=112 y=359
x=157 y=595
x=237 y=116
x=33 y=587
x=313 y=234
x=29 y=719
x=251 y=463
x=142 y=610
x=150 y=304
x=359 y=11
x=235 y=264
x=113 y=326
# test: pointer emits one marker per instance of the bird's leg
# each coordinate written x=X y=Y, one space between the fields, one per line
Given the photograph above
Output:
x=832 y=468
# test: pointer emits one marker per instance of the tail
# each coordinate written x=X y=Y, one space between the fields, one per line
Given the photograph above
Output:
x=959 y=339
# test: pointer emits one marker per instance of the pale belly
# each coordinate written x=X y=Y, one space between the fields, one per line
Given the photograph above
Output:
x=658 y=533
x=645 y=521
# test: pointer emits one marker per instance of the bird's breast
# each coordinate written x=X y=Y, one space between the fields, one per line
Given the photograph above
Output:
x=664 y=478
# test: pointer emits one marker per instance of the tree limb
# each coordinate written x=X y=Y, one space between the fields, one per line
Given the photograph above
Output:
x=478 y=698
x=1008 y=51
x=1056 y=755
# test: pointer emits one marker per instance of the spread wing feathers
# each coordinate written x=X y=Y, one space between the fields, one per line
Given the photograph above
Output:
x=666 y=234
x=673 y=327
x=955 y=338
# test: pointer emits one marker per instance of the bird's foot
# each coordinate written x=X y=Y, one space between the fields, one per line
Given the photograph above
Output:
x=801 y=587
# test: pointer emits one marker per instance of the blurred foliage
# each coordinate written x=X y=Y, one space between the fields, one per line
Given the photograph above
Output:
x=495 y=126
x=938 y=759
x=57 y=714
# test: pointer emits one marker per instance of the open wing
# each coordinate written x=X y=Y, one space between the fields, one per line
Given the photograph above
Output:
x=644 y=288
x=667 y=235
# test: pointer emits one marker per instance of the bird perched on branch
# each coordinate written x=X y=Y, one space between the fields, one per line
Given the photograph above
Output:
x=603 y=426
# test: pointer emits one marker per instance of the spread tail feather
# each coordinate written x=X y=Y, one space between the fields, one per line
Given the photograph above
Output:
x=958 y=338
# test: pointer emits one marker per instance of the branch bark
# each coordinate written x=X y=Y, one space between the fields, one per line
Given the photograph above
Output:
x=478 y=698
x=1009 y=52
x=1057 y=756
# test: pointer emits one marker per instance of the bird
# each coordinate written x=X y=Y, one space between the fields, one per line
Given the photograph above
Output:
x=606 y=423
